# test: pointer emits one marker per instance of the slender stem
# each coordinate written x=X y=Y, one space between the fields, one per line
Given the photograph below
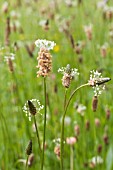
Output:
x=44 y=134
x=71 y=158
x=73 y=95
x=65 y=98
x=62 y=129
x=62 y=143
x=62 y=124
x=95 y=139
x=27 y=162
x=37 y=133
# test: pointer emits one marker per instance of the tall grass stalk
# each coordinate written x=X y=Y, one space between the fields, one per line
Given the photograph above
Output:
x=37 y=133
x=44 y=133
x=62 y=124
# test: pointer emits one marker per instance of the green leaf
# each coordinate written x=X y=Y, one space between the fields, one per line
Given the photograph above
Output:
x=109 y=158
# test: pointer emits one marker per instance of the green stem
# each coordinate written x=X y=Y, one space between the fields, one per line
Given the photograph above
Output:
x=37 y=133
x=71 y=158
x=95 y=140
x=73 y=95
x=65 y=98
x=62 y=124
x=27 y=163
x=45 y=108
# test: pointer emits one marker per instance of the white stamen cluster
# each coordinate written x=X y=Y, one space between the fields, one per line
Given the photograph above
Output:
x=72 y=73
x=94 y=81
x=81 y=109
x=97 y=160
x=48 y=45
x=10 y=56
x=57 y=141
x=68 y=74
x=36 y=103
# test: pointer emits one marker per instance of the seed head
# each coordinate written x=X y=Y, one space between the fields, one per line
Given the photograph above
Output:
x=9 y=59
x=108 y=113
x=32 y=107
x=97 y=82
x=44 y=57
x=57 y=151
x=87 y=125
x=68 y=75
x=29 y=148
x=44 y=62
x=7 y=32
x=94 y=103
x=88 y=31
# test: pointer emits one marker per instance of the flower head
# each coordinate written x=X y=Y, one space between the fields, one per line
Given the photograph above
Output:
x=44 y=57
x=68 y=75
x=32 y=107
x=71 y=140
x=29 y=148
x=96 y=160
x=10 y=56
x=48 y=45
x=97 y=82
x=57 y=141
x=88 y=31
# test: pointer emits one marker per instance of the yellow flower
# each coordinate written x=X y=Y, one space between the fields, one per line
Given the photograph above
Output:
x=22 y=37
x=56 y=48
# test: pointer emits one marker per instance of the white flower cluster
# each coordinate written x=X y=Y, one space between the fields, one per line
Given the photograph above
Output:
x=71 y=71
x=108 y=8
x=45 y=44
x=97 y=160
x=88 y=27
x=81 y=109
x=36 y=103
x=57 y=141
x=94 y=81
x=9 y=56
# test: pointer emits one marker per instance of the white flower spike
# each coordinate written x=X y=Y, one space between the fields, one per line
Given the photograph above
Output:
x=97 y=82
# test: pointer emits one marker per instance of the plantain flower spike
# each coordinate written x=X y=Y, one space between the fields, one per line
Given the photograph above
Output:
x=32 y=107
x=68 y=74
x=44 y=57
x=97 y=82
x=29 y=148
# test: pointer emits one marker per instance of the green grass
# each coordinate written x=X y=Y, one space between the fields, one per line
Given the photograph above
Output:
x=21 y=85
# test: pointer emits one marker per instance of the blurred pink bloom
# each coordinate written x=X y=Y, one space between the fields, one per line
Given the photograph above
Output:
x=71 y=140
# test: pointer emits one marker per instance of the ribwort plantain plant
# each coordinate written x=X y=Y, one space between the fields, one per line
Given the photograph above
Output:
x=28 y=152
x=31 y=108
x=97 y=83
x=45 y=65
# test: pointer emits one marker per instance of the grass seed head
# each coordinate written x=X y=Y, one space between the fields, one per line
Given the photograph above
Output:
x=32 y=108
x=29 y=148
x=94 y=103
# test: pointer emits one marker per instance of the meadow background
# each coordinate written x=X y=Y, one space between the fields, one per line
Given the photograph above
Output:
x=62 y=22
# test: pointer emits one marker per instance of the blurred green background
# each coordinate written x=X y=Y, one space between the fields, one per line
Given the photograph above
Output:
x=61 y=21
